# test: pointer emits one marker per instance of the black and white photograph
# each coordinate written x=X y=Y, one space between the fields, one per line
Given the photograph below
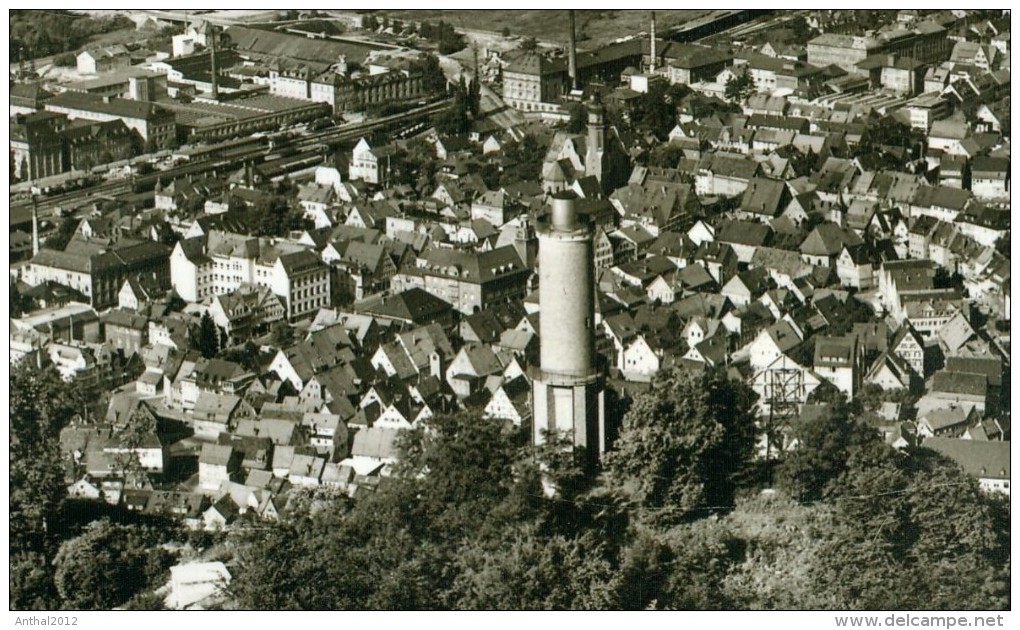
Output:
x=576 y=309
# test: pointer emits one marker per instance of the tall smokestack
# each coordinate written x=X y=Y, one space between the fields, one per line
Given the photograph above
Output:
x=651 y=66
x=572 y=69
x=35 y=225
x=212 y=64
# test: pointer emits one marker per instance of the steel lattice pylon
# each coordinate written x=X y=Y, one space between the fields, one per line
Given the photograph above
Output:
x=785 y=388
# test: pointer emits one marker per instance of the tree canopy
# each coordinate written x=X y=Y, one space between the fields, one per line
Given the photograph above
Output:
x=739 y=87
x=107 y=564
x=42 y=33
x=682 y=444
x=473 y=517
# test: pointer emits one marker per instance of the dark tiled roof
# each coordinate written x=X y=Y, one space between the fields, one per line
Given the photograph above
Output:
x=121 y=107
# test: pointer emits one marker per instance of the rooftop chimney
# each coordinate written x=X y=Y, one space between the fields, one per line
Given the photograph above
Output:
x=572 y=52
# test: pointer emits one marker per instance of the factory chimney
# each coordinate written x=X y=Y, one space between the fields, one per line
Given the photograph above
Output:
x=651 y=65
x=212 y=63
x=35 y=225
x=572 y=53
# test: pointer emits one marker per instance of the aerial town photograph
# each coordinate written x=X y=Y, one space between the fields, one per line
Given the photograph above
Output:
x=514 y=310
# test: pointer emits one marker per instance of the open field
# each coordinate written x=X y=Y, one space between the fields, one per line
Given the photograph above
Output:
x=594 y=27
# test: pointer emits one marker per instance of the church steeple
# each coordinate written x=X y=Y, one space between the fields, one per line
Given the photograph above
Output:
x=596 y=124
x=526 y=241
x=596 y=138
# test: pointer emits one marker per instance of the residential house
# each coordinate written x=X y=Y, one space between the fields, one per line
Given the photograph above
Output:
x=371 y=164
x=856 y=265
x=890 y=372
x=776 y=368
x=495 y=207
x=511 y=402
x=990 y=178
x=410 y=308
x=744 y=237
x=217 y=463
x=826 y=242
x=320 y=351
x=656 y=206
x=961 y=388
x=221 y=514
x=725 y=175
x=103 y=59
x=469 y=281
x=246 y=312
x=744 y=288
x=764 y=198
x=316 y=201
x=986 y=461
x=712 y=352
x=469 y=369
x=367 y=269
x=214 y=413
x=839 y=361
x=125 y=331
x=909 y=347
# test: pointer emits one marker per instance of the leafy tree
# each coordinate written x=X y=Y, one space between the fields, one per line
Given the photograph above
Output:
x=18 y=302
x=41 y=404
x=63 y=235
x=774 y=543
x=293 y=565
x=1002 y=244
x=528 y=155
x=433 y=77
x=273 y=214
x=739 y=87
x=451 y=43
x=468 y=464
x=31 y=582
x=528 y=571
x=42 y=33
x=457 y=119
x=912 y=530
x=655 y=110
x=138 y=430
x=107 y=564
x=802 y=32
x=679 y=569
x=529 y=44
x=208 y=338
x=396 y=548
x=826 y=393
x=825 y=445
x=247 y=356
x=474 y=95
x=666 y=156
x=148 y=600
x=505 y=32
x=681 y=445
x=282 y=334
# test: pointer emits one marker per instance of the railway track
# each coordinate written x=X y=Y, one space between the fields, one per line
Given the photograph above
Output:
x=212 y=161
